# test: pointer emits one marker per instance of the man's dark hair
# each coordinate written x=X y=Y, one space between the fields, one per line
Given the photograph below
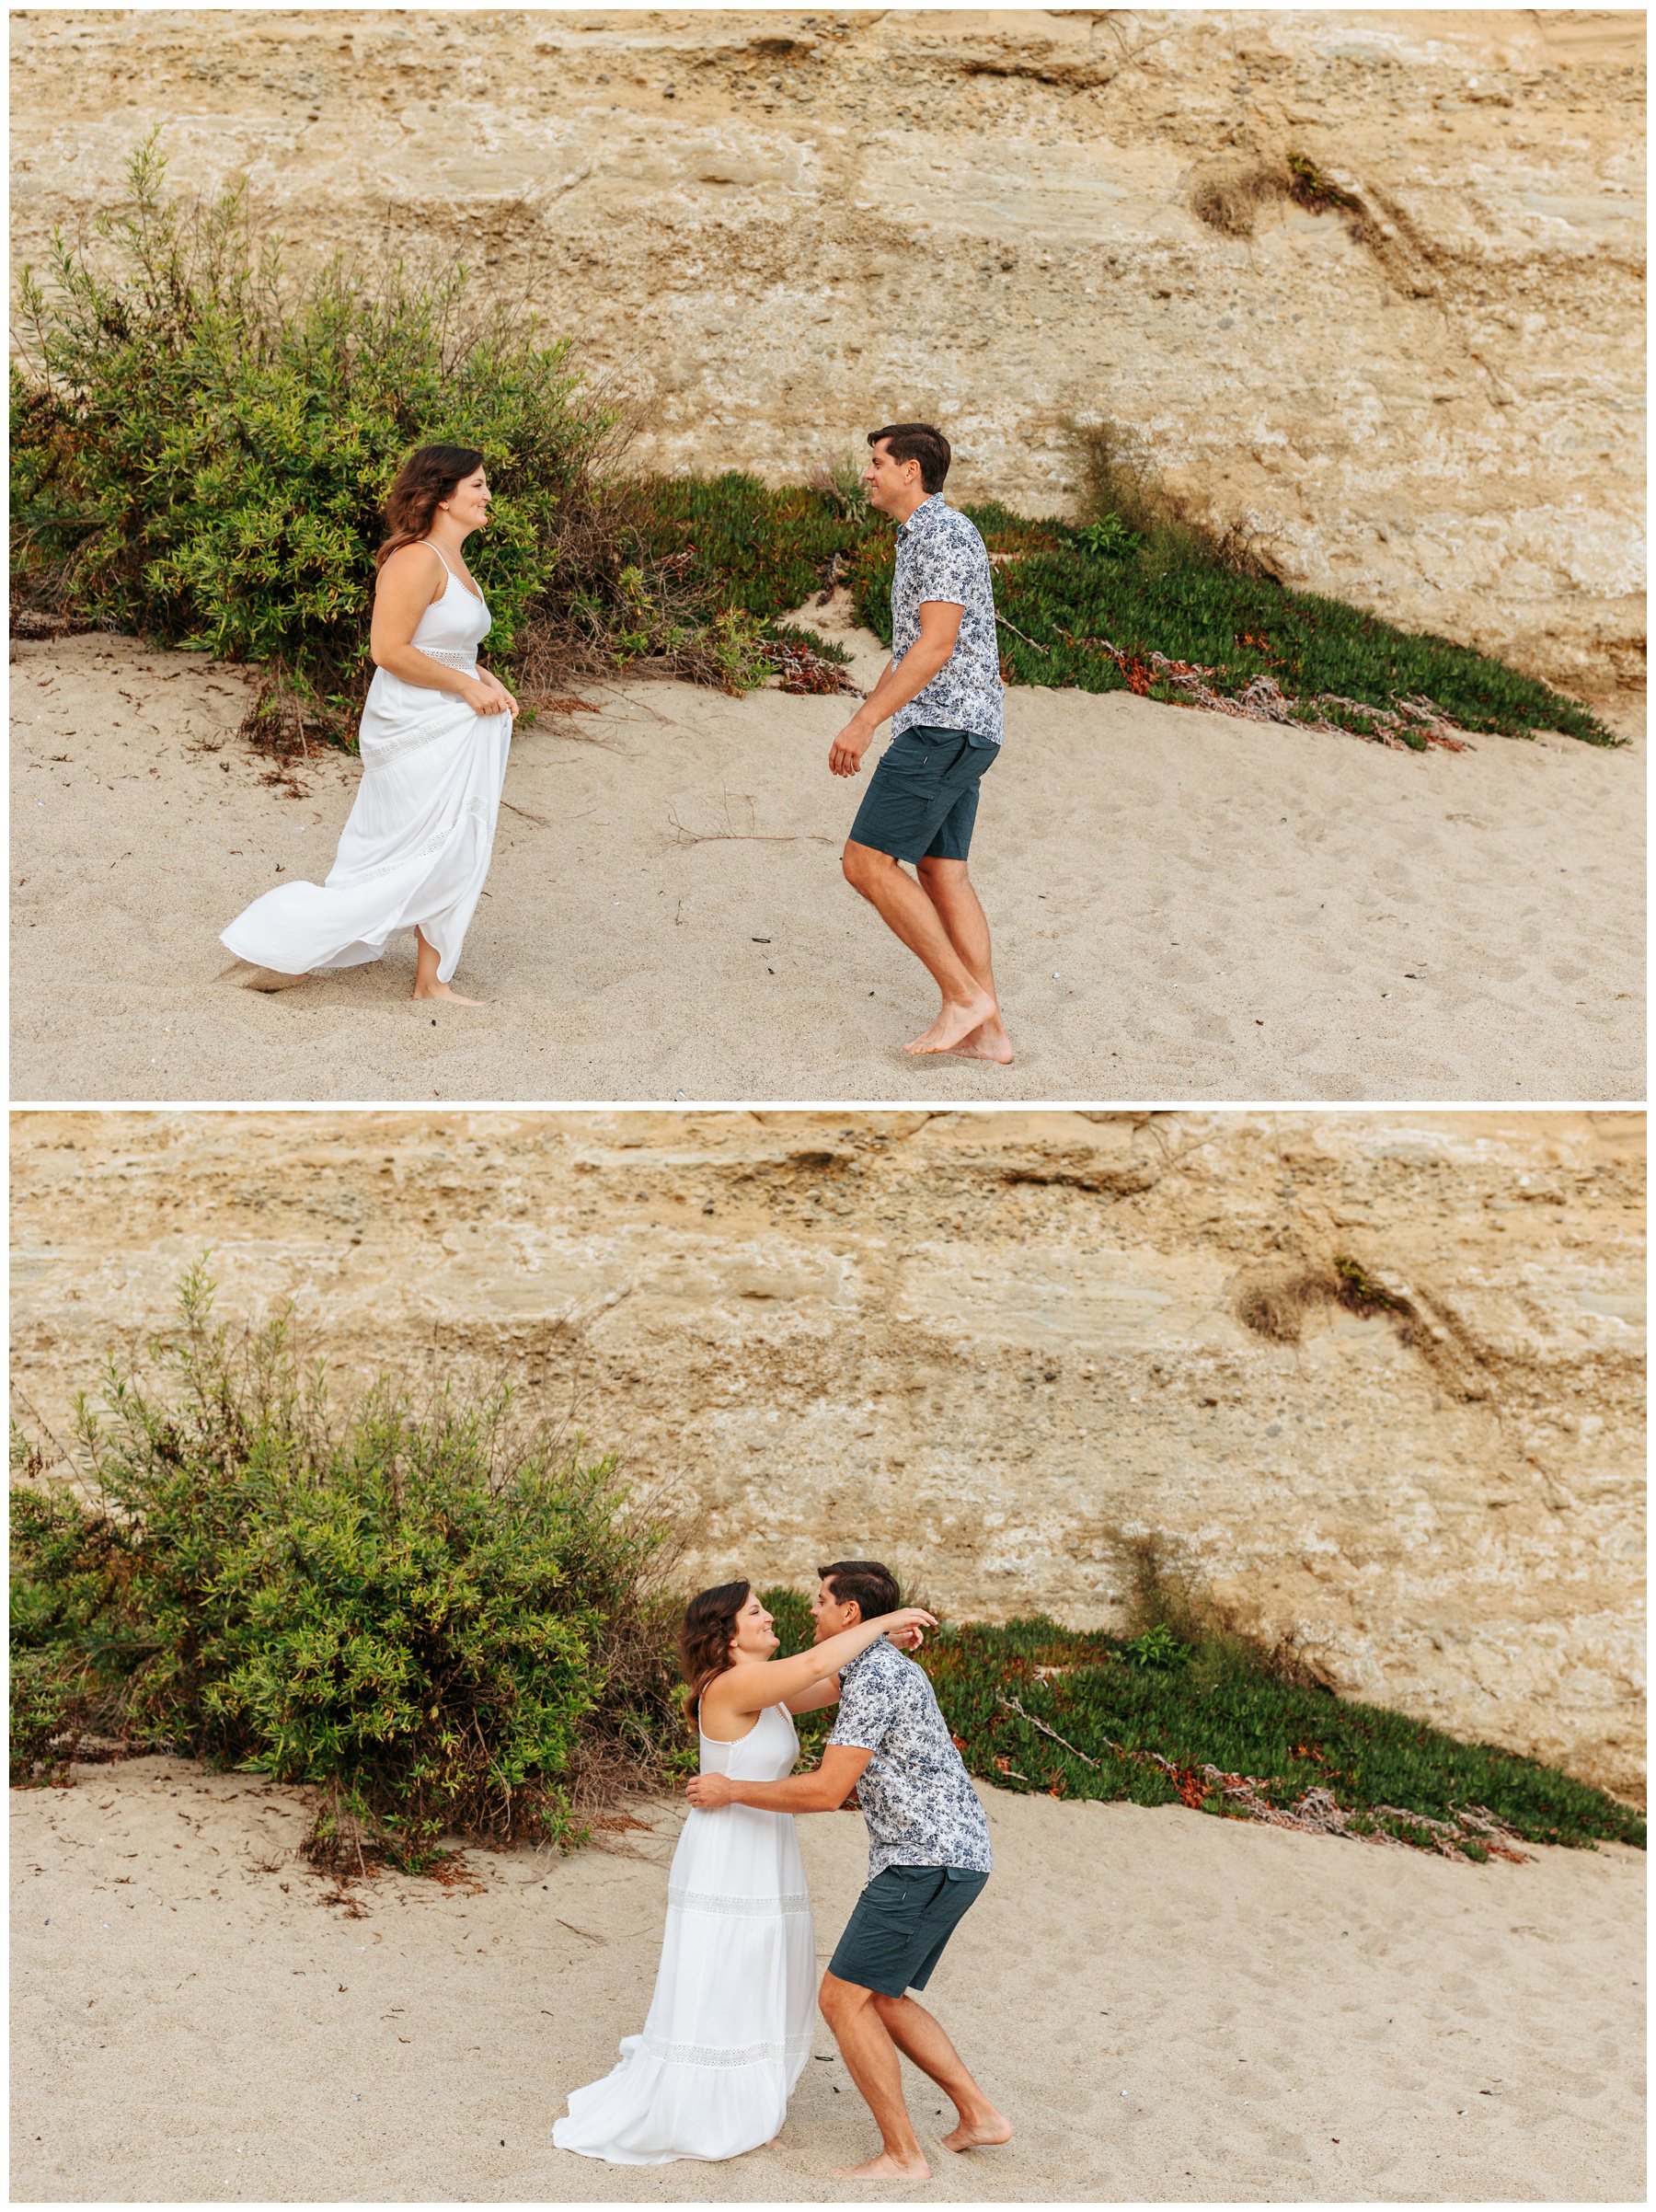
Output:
x=917 y=442
x=873 y=1586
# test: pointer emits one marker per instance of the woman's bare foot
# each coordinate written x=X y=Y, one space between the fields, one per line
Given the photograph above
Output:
x=442 y=990
x=426 y=984
x=955 y=1023
x=886 y=2168
x=989 y=1041
x=978 y=2135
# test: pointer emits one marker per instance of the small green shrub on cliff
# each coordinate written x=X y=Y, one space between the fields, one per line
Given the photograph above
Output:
x=439 y=1621
x=1156 y=1649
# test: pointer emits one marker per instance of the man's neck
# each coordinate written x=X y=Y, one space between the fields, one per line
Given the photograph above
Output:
x=905 y=514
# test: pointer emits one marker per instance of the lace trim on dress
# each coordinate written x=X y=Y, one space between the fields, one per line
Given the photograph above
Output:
x=756 y=1909
x=464 y=657
x=720 y=2053
x=383 y=749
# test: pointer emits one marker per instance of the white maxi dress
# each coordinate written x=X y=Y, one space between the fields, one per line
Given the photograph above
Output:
x=730 y=2025
x=416 y=847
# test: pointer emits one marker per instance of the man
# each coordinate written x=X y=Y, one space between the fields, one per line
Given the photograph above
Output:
x=928 y=1860
x=942 y=689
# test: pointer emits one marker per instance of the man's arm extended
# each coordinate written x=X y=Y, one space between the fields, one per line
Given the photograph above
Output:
x=823 y=1791
x=903 y=680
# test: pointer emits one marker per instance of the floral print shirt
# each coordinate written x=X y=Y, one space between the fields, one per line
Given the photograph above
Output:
x=940 y=556
x=915 y=1795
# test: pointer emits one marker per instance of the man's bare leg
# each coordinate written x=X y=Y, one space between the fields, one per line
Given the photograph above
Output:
x=918 y=2036
x=426 y=984
x=949 y=889
x=871 y=2058
x=908 y=912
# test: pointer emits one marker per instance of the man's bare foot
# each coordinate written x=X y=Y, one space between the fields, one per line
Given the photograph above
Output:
x=886 y=2168
x=955 y=1024
x=989 y=1041
x=264 y=979
x=977 y=2135
x=440 y=990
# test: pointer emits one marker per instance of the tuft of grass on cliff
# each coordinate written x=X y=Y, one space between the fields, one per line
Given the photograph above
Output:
x=1139 y=1718
x=201 y=447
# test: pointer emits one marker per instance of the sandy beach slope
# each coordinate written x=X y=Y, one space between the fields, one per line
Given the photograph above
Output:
x=1170 y=2005
x=1186 y=907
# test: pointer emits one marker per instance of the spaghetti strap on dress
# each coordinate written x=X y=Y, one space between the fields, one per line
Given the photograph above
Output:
x=730 y=2024
x=416 y=849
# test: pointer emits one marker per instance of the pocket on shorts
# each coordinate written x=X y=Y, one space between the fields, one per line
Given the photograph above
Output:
x=893 y=1897
x=911 y=760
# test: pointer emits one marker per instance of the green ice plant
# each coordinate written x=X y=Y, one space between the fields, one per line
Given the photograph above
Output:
x=1080 y=1713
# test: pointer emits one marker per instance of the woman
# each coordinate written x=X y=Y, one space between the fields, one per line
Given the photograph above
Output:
x=730 y=2024
x=434 y=736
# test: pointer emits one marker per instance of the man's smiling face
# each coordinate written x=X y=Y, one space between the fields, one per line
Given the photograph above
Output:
x=892 y=485
x=828 y=1616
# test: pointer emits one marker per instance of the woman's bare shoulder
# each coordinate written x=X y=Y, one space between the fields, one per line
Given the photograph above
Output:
x=411 y=564
x=733 y=1689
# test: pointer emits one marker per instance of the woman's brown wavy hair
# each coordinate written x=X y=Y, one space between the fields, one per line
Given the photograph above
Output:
x=704 y=1639
x=429 y=474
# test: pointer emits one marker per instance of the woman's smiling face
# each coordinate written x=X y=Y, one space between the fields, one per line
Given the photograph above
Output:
x=752 y=1636
x=468 y=504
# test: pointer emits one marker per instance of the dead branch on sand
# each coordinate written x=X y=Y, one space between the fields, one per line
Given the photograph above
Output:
x=683 y=835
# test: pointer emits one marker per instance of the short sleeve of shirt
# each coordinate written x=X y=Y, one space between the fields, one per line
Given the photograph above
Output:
x=943 y=571
x=867 y=1707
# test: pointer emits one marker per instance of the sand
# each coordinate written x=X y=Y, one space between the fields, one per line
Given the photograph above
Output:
x=1186 y=907
x=1169 y=2006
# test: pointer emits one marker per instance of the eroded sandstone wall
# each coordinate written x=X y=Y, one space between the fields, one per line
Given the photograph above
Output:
x=990 y=1347
x=777 y=229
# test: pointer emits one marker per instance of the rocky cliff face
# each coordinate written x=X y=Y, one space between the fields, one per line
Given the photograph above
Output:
x=994 y=1348
x=777 y=230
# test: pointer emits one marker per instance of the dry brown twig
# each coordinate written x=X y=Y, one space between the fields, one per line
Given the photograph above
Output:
x=729 y=833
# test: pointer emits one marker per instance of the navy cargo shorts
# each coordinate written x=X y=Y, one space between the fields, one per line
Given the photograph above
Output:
x=922 y=799
x=898 y=1926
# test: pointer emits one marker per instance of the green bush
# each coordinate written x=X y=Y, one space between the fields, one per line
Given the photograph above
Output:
x=200 y=451
x=442 y=1622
